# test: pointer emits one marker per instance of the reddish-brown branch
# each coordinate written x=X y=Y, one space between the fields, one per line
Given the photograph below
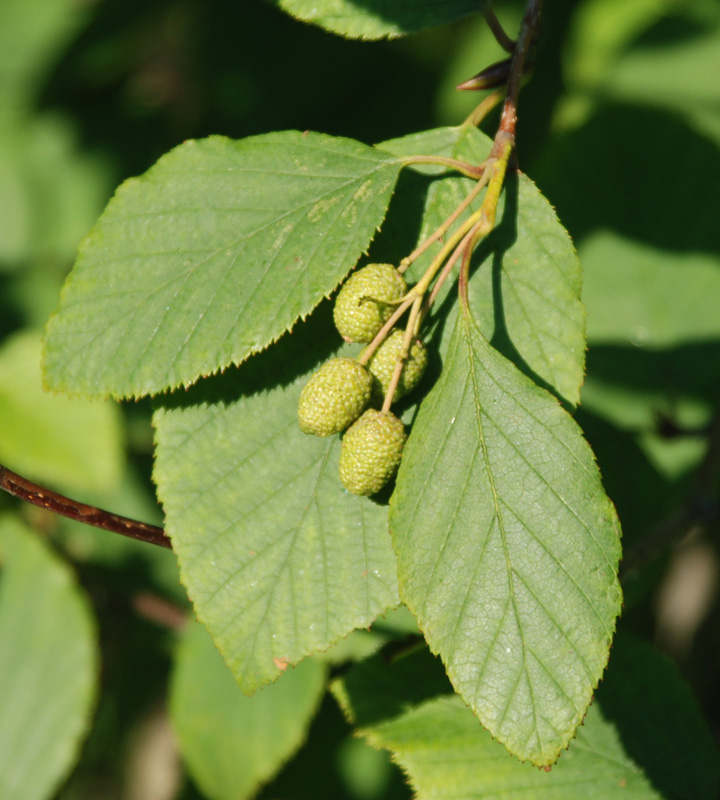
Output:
x=39 y=496
x=526 y=38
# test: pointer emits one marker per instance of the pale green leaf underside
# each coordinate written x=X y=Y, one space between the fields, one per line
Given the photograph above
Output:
x=528 y=288
x=377 y=19
x=507 y=547
x=210 y=256
x=232 y=743
x=47 y=667
x=279 y=560
x=447 y=755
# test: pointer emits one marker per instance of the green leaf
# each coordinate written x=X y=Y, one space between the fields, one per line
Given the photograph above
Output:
x=629 y=744
x=656 y=210
x=654 y=53
x=650 y=704
x=646 y=296
x=48 y=667
x=72 y=443
x=655 y=342
x=210 y=256
x=507 y=548
x=637 y=390
x=231 y=743
x=376 y=19
x=379 y=688
x=525 y=292
x=447 y=754
x=279 y=560
x=599 y=31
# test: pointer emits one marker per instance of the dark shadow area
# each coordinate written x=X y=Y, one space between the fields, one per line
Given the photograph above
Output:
x=642 y=496
x=687 y=370
x=387 y=684
x=10 y=317
x=490 y=255
x=136 y=655
x=400 y=230
x=670 y=29
x=658 y=721
x=313 y=773
x=311 y=343
x=641 y=172
x=146 y=74
x=540 y=96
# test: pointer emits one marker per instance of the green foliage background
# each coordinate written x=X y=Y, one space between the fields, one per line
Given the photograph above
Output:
x=619 y=129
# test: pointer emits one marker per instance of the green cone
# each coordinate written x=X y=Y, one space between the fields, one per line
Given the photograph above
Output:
x=371 y=451
x=361 y=306
x=382 y=365
x=334 y=397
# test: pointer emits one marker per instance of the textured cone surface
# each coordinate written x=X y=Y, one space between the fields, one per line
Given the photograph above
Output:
x=334 y=397
x=382 y=365
x=360 y=308
x=371 y=451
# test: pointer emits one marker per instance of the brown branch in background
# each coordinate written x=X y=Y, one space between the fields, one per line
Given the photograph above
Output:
x=160 y=610
x=700 y=510
x=30 y=492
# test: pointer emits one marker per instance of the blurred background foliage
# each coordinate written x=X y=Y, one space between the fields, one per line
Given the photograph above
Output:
x=620 y=128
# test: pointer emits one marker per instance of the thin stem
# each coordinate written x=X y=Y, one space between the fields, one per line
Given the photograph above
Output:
x=526 y=38
x=443 y=229
x=367 y=353
x=504 y=144
x=420 y=287
x=424 y=283
x=491 y=173
x=469 y=243
x=442 y=277
x=497 y=29
x=30 y=492
x=465 y=168
x=485 y=107
x=485 y=218
x=400 y=363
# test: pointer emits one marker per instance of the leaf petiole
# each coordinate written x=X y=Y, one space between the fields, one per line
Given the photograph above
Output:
x=486 y=106
x=400 y=363
x=367 y=353
x=443 y=229
x=474 y=171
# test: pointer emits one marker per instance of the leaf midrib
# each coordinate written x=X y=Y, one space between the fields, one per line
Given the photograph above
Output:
x=467 y=322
